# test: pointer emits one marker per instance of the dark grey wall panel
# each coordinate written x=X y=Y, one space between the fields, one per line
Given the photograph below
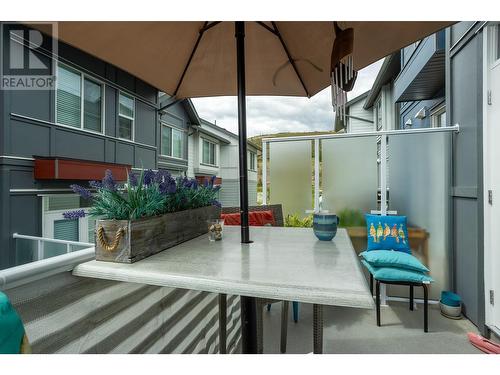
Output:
x=145 y=158
x=78 y=145
x=465 y=75
x=28 y=139
x=110 y=151
x=145 y=124
x=34 y=103
x=146 y=91
x=125 y=80
x=110 y=111
x=464 y=101
x=25 y=218
x=175 y=116
x=467 y=254
x=22 y=178
x=124 y=153
x=410 y=110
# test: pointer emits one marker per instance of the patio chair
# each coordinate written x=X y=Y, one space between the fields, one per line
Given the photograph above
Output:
x=277 y=211
x=398 y=272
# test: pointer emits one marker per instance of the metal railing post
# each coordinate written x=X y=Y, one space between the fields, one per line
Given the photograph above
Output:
x=264 y=173
x=316 y=175
x=39 y=252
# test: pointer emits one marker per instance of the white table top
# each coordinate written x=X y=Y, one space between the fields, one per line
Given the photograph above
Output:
x=281 y=263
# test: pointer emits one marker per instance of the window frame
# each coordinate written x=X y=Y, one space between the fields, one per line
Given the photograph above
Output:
x=172 y=128
x=253 y=160
x=216 y=159
x=91 y=78
x=132 y=130
x=438 y=111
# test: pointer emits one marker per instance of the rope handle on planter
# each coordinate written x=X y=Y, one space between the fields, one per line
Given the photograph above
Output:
x=102 y=240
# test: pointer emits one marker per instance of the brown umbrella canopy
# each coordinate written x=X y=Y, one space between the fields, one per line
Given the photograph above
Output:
x=159 y=52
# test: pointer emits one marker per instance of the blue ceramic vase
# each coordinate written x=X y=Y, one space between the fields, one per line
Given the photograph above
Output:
x=325 y=226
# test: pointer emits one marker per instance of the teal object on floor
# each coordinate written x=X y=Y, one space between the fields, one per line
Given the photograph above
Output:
x=450 y=299
x=11 y=328
x=325 y=226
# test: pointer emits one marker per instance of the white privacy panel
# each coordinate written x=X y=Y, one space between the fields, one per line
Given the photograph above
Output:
x=420 y=189
x=349 y=174
x=290 y=175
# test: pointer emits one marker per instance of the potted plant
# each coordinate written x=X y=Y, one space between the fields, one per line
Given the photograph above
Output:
x=150 y=213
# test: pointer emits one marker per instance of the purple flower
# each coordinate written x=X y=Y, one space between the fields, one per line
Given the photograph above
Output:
x=212 y=180
x=149 y=177
x=70 y=215
x=108 y=182
x=95 y=184
x=132 y=177
x=84 y=193
x=216 y=188
x=216 y=203
x=194 y=184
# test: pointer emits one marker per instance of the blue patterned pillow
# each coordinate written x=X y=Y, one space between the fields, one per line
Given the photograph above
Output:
x=387 y=233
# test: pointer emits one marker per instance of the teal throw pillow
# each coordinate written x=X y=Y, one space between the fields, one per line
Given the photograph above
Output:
x=387 y=233
x=397 y=274
x=390 y=258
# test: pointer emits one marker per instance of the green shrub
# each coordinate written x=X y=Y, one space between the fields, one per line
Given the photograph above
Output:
x=295 y=221
x=351 y=218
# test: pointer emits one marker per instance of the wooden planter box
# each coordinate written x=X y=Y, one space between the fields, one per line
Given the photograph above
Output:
x=147 y=236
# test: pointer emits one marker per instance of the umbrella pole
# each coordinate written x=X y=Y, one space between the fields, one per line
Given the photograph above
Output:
x=248 y=305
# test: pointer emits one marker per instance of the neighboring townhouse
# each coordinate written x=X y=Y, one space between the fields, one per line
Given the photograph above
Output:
x=453 y=77
x=98 y=117
x=358 y=119
x=213 y=151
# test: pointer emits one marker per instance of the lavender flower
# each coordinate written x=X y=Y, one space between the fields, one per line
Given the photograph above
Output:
x=95 y=184
x=149 y=177
x=70 y=215
x=84 y=193
x=216 y=188
x=132 y=177
x=216 y=203
x=194 y=184
x=212 y=180
x=108 y=182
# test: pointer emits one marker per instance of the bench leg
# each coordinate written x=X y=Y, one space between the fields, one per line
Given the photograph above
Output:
x=318 y=329
x=284 y=325
x=411 y=297
x=371 y=284
x=426 y=307
x=377 y=300
x=295 y=309
x=222 y=323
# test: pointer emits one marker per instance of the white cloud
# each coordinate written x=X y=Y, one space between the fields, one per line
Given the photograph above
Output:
x=272 y=114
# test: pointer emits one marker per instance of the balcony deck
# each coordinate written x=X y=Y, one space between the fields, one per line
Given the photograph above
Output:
x=354 y=331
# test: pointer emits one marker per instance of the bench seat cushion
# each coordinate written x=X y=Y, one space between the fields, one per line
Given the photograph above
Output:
x=394 y=274
x=390 y=258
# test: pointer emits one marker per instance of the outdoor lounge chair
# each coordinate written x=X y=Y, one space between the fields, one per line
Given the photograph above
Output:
x=277 y=211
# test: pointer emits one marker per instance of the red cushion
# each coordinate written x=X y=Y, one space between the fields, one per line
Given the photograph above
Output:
x=255 y=218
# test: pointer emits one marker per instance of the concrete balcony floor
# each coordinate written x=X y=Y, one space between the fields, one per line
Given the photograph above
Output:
x=354 y=331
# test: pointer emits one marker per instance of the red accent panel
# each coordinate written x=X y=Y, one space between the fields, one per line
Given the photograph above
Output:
x=202 y=179
x=74 y=169
x=255 y=218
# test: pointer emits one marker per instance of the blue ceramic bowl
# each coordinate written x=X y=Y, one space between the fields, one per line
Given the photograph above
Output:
x=325 y=226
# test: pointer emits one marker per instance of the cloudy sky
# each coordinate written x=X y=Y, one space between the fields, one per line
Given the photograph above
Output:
x=267 y=115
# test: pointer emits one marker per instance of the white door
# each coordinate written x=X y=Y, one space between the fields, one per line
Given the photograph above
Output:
x=492 y=178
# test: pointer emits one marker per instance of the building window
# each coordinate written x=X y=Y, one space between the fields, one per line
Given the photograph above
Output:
x=253 y=161
x=126 y=115
x=172 y=141
x=438 y=117
x=79 y=100
x=209 y=153
x=56 y=226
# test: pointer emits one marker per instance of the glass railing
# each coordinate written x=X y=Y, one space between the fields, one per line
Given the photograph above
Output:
x=31 y=248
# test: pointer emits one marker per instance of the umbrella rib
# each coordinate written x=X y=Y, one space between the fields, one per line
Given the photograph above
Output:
x=205 y=27
x=292 y=62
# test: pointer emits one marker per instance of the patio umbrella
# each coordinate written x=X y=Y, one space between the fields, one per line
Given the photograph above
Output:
x=200 y=59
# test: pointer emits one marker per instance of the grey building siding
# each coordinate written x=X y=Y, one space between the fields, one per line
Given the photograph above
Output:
x=408 y=110
x=229 y=195
x=28 y=128
x=464 y=46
